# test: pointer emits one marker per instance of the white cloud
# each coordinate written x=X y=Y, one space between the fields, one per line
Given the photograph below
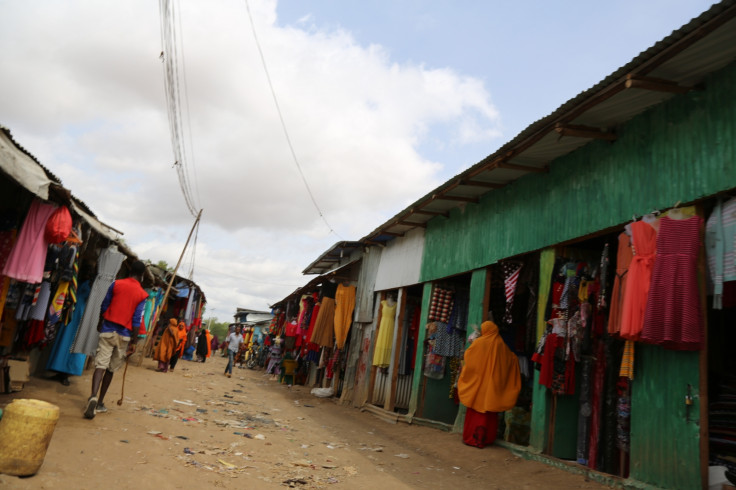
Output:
x=83 y=91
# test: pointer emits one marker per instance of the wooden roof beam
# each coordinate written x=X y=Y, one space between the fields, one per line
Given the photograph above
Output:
x=391 y=233
x=455 y=198
x=655 y=84
x=428 y=213
x=411 y=223
x=479 y=183
x=578 y=131
x=522 y=168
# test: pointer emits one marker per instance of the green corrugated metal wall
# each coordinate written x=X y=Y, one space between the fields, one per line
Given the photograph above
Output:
x=681 y=150
x=664 y=433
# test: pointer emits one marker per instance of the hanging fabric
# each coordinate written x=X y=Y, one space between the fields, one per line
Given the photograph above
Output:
x=674 y=316
x=26 y=260
x=108 y=265
x=511 y=272
x=344 y=305
x=644 y=243
x=382 y=349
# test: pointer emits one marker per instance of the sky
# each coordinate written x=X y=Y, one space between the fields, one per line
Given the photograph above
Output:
x=382 y=102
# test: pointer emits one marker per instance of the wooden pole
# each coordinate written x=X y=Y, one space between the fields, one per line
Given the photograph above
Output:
x=148 y=347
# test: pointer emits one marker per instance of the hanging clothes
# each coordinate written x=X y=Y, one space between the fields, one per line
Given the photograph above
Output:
x=623 y=261
x=61 y=358
x=627 y=361
x=511 y=272
x=720 y=248
x=324 y=328
x=644 y=244
x=108 y=265
x=674 y=316
x=35 y=329
x=26 y=260
x=344 y=305
x=55 y=308
x=382 y=350
x=440 y=305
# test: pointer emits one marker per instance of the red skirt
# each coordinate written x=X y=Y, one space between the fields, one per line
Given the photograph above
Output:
x=480 y=428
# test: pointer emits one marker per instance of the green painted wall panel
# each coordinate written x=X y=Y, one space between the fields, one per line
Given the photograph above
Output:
x=681 y=150
x=416 y=382
x=664 y=432
x=475 y=317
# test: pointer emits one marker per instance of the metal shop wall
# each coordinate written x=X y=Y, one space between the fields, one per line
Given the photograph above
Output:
x=681 y=150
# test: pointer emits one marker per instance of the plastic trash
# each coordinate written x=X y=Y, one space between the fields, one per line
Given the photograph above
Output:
x=323 y=392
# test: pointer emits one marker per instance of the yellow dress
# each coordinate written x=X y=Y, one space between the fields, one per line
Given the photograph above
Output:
x=382 y=352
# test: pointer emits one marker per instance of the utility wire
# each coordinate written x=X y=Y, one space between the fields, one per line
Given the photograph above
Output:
x=283 y=123
x=173 y=92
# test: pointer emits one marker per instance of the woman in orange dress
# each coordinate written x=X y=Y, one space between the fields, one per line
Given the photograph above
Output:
x=489 y=383
x=167 y=346
x=182 y=336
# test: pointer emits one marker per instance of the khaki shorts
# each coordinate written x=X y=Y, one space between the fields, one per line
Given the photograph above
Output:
x=111 y=349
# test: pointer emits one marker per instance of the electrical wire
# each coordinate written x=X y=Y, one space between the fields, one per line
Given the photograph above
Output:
x=283 y=124
x=174 y=90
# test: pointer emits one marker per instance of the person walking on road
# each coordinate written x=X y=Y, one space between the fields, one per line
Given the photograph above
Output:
x=167 y=346
x=234 y=339
x=121 y=312
x=178 y=353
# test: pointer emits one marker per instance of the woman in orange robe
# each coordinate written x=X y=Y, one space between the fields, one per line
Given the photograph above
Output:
x=489 y=383
x=182 y=338
x=167 y=346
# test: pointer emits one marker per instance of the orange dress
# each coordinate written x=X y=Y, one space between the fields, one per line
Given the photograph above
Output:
x=644 y=245
x=623 y=261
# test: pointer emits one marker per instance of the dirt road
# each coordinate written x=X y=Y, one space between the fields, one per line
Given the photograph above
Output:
x=195 y=428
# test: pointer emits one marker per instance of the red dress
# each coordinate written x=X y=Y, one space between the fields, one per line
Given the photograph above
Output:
x=480 y=429
x=674 y=315
x=644 y=242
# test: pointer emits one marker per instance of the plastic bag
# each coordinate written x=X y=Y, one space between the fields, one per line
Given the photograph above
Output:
x=323 y=392
x=59 y=225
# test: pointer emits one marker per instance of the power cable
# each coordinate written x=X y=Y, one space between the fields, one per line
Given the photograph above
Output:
x=172 y=84
x=283 y=124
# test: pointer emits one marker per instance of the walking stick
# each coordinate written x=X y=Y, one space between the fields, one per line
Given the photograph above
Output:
x=122 y=388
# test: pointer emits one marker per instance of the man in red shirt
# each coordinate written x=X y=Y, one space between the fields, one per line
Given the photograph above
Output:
x=121 y=312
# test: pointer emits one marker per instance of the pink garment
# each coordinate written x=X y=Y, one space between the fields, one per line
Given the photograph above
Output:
x=26 y=260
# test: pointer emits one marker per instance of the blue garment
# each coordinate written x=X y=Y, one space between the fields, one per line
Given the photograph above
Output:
x=61 y=358
x=188 y=353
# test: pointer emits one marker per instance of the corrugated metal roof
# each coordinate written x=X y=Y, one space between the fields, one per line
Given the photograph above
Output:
x=333 y=258
x=676 y=64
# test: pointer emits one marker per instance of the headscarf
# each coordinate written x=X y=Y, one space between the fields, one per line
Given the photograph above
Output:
x=490 y=380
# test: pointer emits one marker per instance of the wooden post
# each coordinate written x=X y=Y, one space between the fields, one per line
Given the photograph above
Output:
x=703 y=365
x=148 y=347
x=390 y=402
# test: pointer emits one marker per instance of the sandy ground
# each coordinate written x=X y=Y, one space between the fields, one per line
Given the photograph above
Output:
x=195 y=428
